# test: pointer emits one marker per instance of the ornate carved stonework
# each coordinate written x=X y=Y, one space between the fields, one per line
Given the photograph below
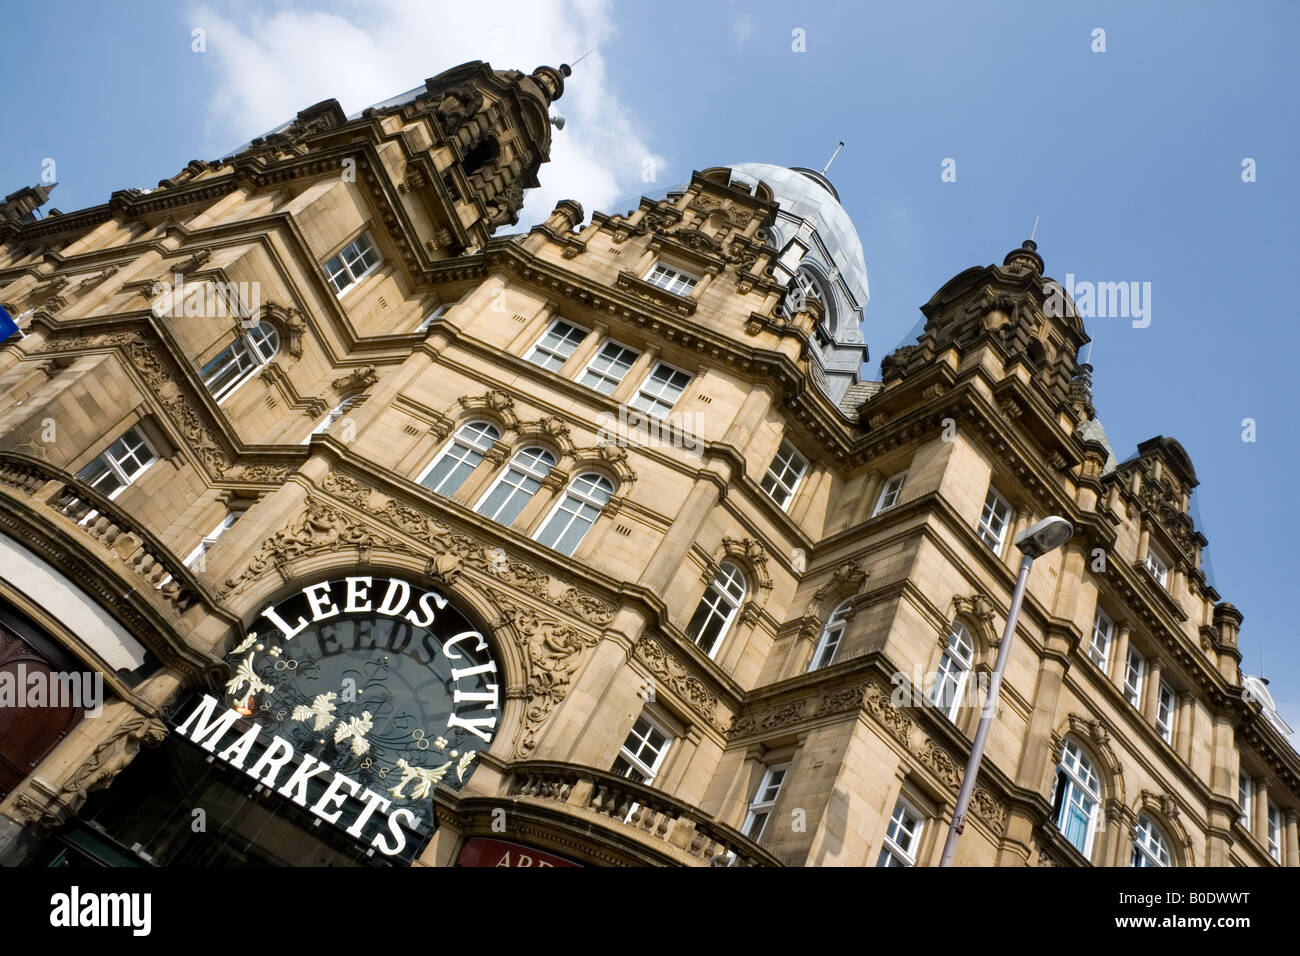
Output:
x=665 y=666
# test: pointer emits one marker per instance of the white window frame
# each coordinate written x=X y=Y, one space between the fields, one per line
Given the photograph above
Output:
x=888 y=496
x=828 y=644
x=724 y=597
x=648 y=770
x=540 y=349
x=653 y=399
x=671 y=279
x=1274 y=831
x=463 y=448
x=1245 y=797
x=1156 y=566
x=893 y=848
x=1166 y=715
x=135 y=440
x=954 y=669
x=525 y=471
x=1134 y=677
x=603 y=375
x=438 y=312
x=763 y=802
x=212 y=537
x=360 y=247
x=995 y=539
x=334 y=414
x=787 y=456
x=1150 y=845
x=1103 y=634
x=249 y=352
x=581 y=497
x=1082 y=789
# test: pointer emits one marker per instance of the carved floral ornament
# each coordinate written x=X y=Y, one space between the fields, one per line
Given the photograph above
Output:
x=670 y=671
x=746 y=552
x=980 y=612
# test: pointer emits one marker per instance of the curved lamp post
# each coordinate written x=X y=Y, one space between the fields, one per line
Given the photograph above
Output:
x=1033 y=542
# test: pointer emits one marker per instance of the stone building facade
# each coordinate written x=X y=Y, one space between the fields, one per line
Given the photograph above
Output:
x=726 y=603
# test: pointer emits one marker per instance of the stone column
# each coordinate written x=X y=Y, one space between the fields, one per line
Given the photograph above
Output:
x=1291 y=839
x=1183 y=732
x=1120 y=661
x=1259 y=819
x=623 y=393
x=583 y=353
x=1151 y=692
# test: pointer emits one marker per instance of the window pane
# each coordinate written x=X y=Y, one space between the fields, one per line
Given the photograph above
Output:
x=608 y=368
x=556 y=345
x=520 y=482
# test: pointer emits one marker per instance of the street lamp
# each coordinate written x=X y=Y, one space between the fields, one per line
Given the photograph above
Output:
x=1033 y=542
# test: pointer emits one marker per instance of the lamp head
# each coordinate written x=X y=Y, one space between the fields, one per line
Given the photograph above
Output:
x=1046 y=535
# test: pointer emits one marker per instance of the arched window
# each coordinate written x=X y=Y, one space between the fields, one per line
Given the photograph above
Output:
x=577 y=511
x=804 y=286
x=717 y=608
x=459 y=457
x=954 y=668
x=829 y=641
x=1077 y=797
x=517 y=485
x=253 y=349
x=1150 y=848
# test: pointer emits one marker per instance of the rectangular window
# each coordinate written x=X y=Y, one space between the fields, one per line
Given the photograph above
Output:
x=643 y=752
x=764 y=800
x=784 y=474
x=1245 y=797
x=606 y=370
x=902 y=837
x=673 y=280
x=556 y=344
x=197 y=555
x=1159 y=570
x=1165 y=703
x=660 y=391
x=119 y=465
x=1099 y=649
x=889 y=494
x=356 y=261
x=1134 y=672
x=1274 y=831
x=994 y=520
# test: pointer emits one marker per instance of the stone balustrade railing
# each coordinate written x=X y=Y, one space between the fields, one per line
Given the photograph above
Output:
x=628 y=803
x=99 y=519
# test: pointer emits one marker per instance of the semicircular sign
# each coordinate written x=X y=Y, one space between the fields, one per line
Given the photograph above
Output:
x=354 y=698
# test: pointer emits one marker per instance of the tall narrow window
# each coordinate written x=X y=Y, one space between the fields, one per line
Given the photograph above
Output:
x=1157 y=567
x=1165 y=701
x=235 y=363
x=660 y=391
x=1245 y=797
x=1077 y=796
x=889 y=494
x=1135 y=670
x=829 y=642
x=337 y=412
x=199 y=554
x=1150 y=848
x=459 y=457
x=119 y=465
x=784 y=474
x=764 y=800
x=994 y=520
x=607 y=368
x=517 y=485
x=673 y=280
x=717 y=608
x=353 y=263
x=1102 y=629
x=902 y=836
x=954 y=668
x=642 y=754
x=1274 y=831
x=577 y=511
x=556 y=345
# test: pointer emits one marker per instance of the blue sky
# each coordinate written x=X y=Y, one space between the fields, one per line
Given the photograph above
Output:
x=1131 y=160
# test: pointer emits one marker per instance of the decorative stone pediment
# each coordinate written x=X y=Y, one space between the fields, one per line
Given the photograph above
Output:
x=493 y=404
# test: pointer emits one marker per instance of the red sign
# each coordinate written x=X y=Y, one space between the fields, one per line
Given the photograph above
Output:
x=484 y=852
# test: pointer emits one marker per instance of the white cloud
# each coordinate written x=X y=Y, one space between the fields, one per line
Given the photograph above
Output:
x=270 y=62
